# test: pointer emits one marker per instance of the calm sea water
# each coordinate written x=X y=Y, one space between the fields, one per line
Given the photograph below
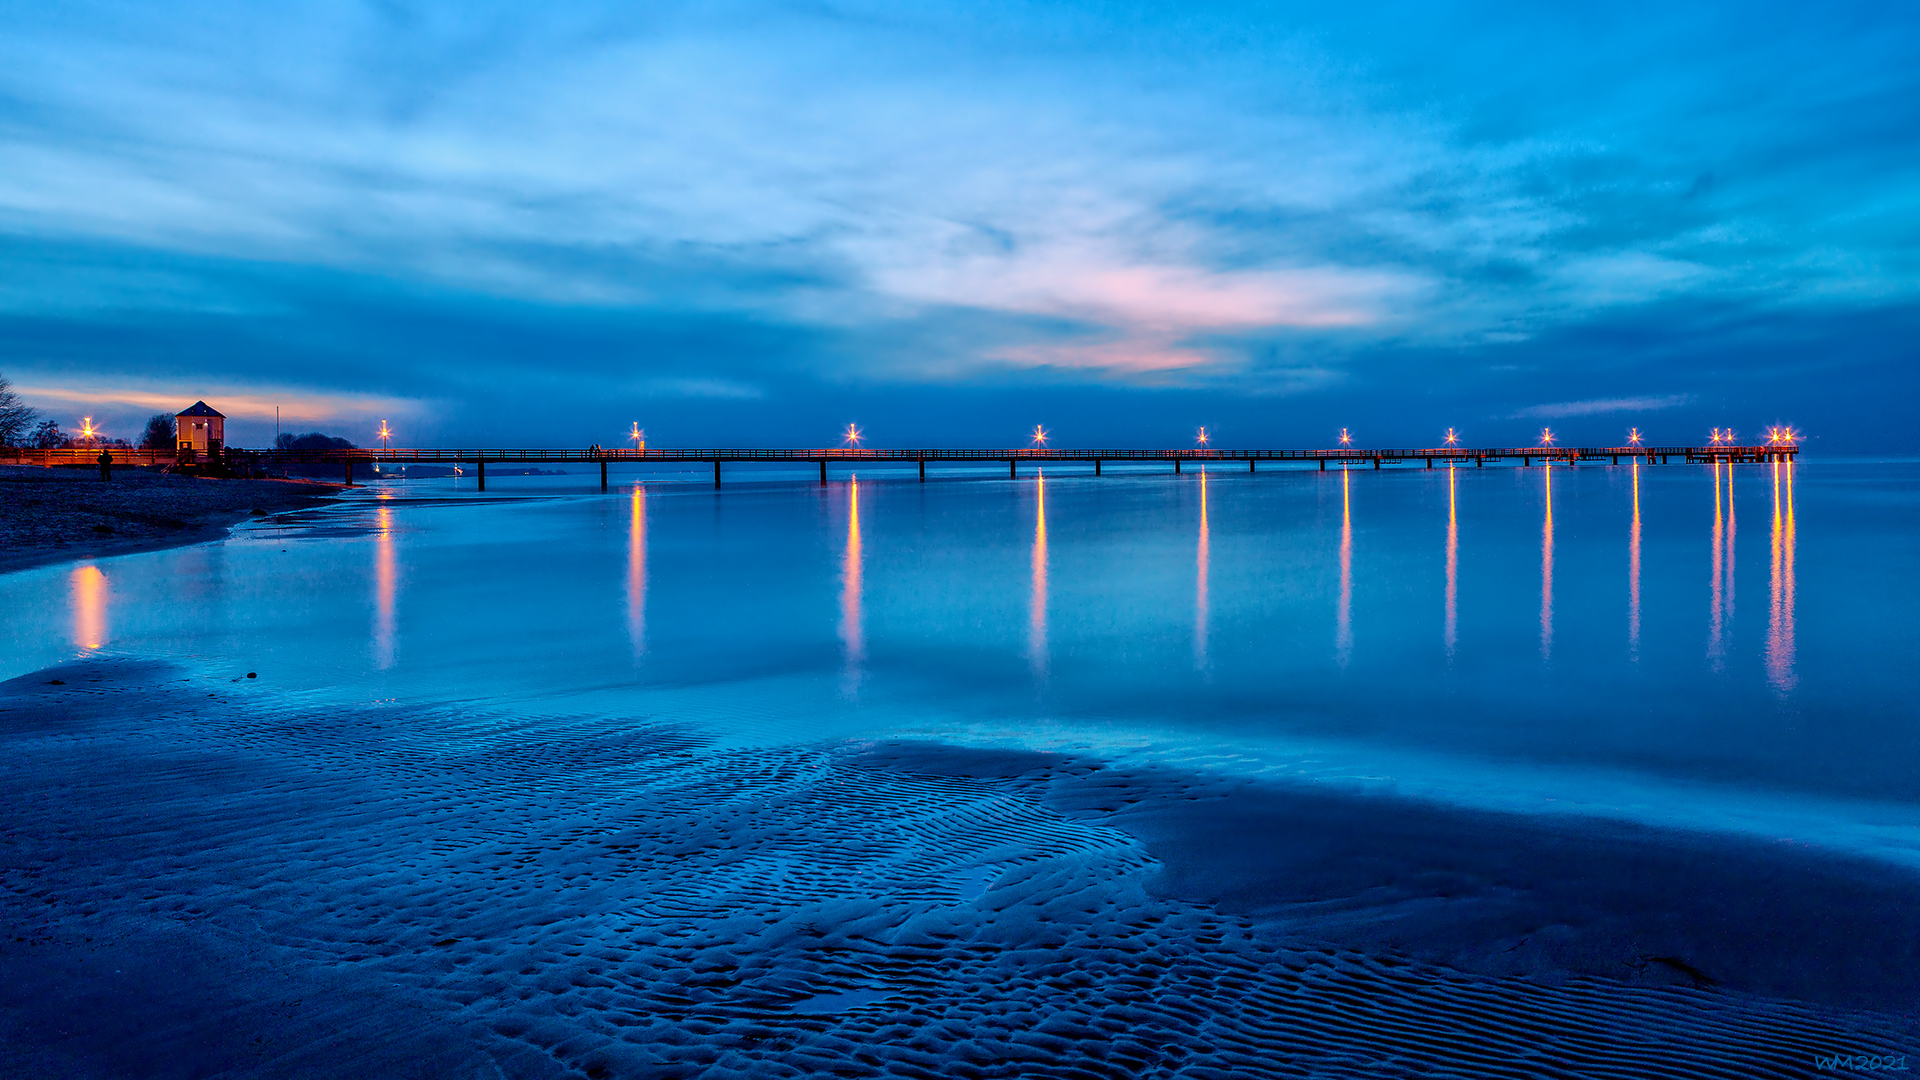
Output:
x=1728 y=649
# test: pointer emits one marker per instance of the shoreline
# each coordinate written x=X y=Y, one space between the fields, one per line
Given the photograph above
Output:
x=54 y=516
x=296 y=875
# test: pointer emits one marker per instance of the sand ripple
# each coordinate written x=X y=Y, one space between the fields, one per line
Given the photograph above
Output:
x=568 y=896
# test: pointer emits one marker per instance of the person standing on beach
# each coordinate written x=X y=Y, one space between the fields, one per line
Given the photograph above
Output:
x=106 y=466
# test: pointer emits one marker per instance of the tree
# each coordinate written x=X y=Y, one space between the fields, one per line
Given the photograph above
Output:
x=312 y=440
x=159 y=433
x=15 y=415
x=47 y=436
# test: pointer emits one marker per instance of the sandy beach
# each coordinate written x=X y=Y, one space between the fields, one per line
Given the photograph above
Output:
x=54 y=515
x=204 y=877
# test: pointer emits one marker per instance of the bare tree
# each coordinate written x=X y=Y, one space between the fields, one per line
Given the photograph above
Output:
x=159 y=433
x=16 y=416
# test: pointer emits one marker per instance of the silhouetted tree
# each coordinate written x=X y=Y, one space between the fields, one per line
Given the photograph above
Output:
x=159 y=433
x=47 y=436
x=312 y=440
x=15 y=415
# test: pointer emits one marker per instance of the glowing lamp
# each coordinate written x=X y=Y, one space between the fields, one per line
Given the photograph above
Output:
x=1547 y=436
x=852 y=435
x=1203 y=437
x=1453 y=437
x=1039 y=435
x=1346 y=437
x=1633 y=436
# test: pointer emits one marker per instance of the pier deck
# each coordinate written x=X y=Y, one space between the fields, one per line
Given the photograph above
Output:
x=1346 y=457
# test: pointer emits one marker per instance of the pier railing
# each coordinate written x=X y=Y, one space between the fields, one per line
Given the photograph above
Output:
x=1344 y=457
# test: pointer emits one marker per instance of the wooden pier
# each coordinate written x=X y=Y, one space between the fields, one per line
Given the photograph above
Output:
x=1344 y=458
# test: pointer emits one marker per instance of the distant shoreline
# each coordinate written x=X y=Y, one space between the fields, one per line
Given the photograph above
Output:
x=51 y=516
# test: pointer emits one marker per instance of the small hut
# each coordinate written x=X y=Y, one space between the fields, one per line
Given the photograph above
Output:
x=200 y=429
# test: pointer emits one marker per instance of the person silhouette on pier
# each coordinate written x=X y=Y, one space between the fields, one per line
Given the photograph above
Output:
x=106 y=466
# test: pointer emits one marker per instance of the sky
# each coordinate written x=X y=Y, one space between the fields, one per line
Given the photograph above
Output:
x=749 y=224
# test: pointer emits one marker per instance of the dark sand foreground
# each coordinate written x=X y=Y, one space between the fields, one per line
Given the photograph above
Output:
x=204 y=878
x=53 y=515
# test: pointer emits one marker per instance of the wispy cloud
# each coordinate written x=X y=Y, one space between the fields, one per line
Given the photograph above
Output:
x=1601 y=406
x=294 y=405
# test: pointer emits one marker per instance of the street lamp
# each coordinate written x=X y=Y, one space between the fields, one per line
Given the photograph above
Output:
x=638 y=436
x=1346 y=437
x=1039 y=435
x=852 y=435
x=1453 y=437
x=1547 y=436
x=1203 y=438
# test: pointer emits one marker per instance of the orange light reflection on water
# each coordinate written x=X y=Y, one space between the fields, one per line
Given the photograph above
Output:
x=1451 y=635
x=1343 y=618
x=1780 y=645
x=383 y=590
x=637 y=572
x=1633 y=571
x=1037 y=602
x=1546 y=571
x=852 y=633
x=89 y=585
x=1717 y=609
x=1200 y=614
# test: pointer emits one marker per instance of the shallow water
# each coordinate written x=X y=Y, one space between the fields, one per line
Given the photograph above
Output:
x=1727 y=649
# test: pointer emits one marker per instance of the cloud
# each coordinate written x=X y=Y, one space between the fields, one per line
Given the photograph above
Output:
x=1601 y=407
x=294 y=405
x=599 y=203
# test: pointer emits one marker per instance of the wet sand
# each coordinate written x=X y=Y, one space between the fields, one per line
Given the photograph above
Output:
x=203 y=876
x=55 y=515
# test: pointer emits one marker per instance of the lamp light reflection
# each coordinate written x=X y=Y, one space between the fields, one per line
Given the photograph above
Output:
x=1343 y=616
x=1200 y=599
x=1717 y=606
x=1780 y=644
x=1037 y=602
x=637 y=572
x=1452 y=633
x=852 y=634
x=1546 y=571
x=383 y=590
x=89 y=586
x=1633 y=571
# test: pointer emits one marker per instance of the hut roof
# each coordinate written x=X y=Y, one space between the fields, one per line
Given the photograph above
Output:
x=200 y=408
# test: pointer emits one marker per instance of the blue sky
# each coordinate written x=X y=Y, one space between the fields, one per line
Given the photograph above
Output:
x=751 y=223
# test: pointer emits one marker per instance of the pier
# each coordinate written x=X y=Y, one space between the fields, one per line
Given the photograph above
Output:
x=1342 y=458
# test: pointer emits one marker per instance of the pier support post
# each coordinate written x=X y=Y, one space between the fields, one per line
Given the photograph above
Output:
x=603 y=476
x=1429 y=463
x=1323 y=464
x=1096 y=466
x=1250 y=465
x=349 y=472
x=1011 y=469
x=1376 y=461
x=923 y=470
x=1176 y=466
x=716 y=472
x=823 y=472
x=482 y=463
x=1526 y=463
